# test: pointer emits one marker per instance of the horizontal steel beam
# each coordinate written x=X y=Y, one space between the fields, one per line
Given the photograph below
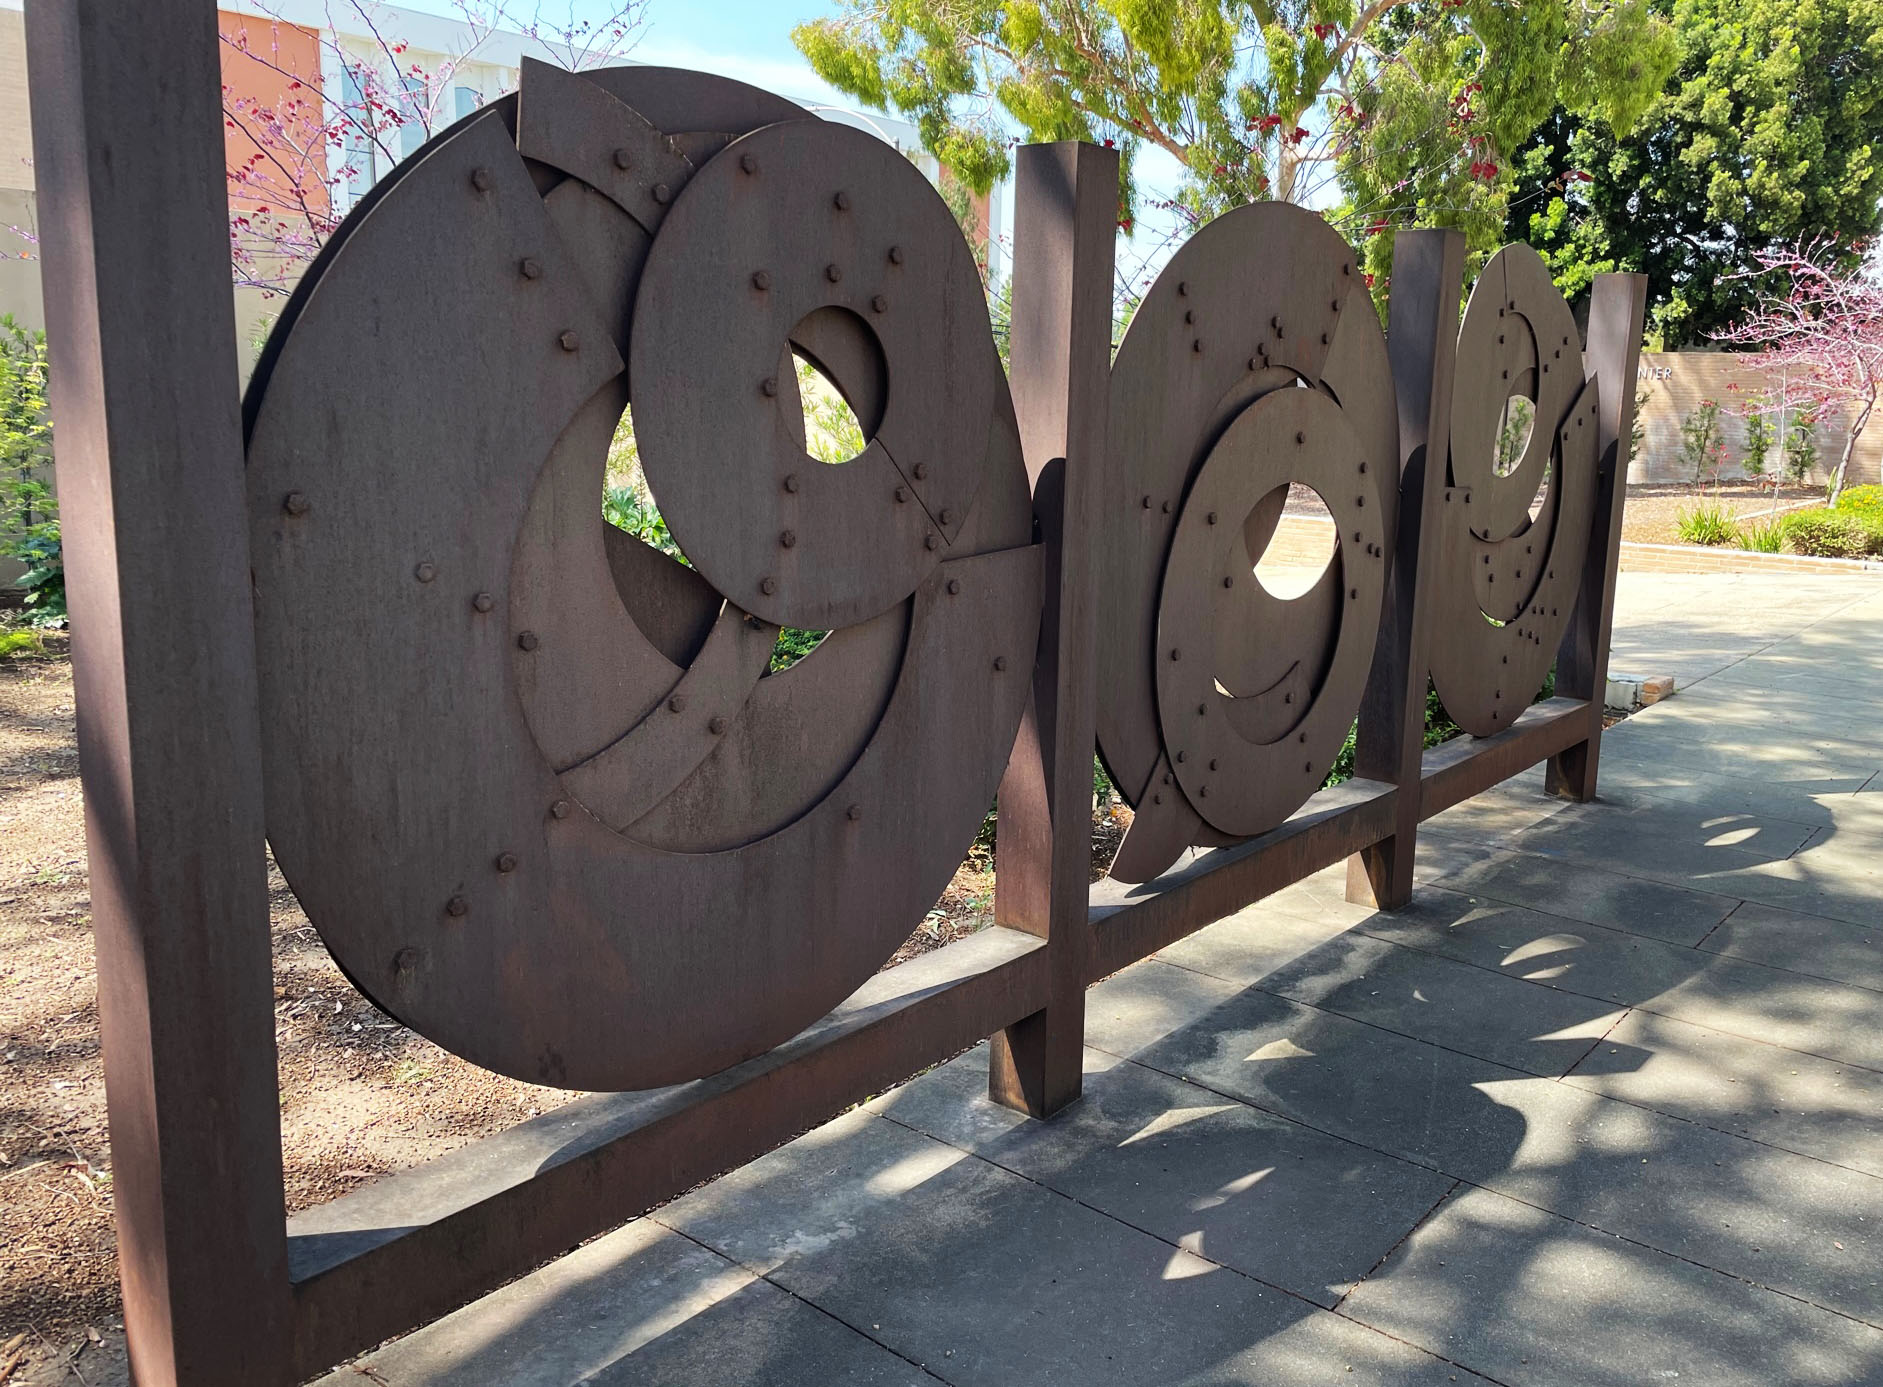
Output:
x=1454 y=771
x=418 y=1244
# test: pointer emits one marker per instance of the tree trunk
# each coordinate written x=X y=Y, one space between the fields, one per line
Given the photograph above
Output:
x=1850 y=447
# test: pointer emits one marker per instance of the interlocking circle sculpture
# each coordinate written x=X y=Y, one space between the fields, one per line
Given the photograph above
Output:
x=1256 y=361
x=529 y=776
x=1510 y=563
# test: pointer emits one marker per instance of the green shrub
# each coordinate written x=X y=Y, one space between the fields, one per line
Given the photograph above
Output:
x=1830 y=534
x=29 y=512
x=1862 y=500
x=1761 y=536
x=1706 y=523
x=1702 y=444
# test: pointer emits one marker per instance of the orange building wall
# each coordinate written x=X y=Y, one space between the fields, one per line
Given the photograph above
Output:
x=262 y=60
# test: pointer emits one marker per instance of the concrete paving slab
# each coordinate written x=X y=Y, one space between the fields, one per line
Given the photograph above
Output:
x=642 y=1305
x=1800 y=1103
x=1777 y=1219
x=1530 y=1298
x=1838 y=950
x=1578 y=891
x=1144 y=1003
x=1668 y=780
x=983 y=1277
x=1254 y=942
x=1793 y=1010
x=1290 y=1206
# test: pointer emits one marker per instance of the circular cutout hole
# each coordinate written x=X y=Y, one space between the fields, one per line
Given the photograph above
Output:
x=1296 y=543
x=832 y=431
x=1515 y=423
x=792 y=646
x=627 y=503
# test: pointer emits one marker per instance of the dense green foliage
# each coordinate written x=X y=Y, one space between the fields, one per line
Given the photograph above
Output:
x=1703 y=442
x=1769 y=132
x=1414 y=105
x=1760 y=433
x=1862 y=500
x=29 y=512
x=1706 y=523
x=1833 y=534
x=1760 y=536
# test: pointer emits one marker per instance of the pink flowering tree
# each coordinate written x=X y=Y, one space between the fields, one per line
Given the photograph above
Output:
x=1818 y=327
x=314 y=115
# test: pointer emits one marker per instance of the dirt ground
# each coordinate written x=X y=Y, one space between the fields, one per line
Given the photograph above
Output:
x=1652 y=509
x=360 y=1094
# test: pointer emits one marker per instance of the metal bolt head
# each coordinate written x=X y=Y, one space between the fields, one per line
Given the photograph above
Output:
x=624 y=158
x=768 y=387
x=947 y=516
x=1363 y=467
x=716 y=726
x=296 y=503
x=569 y=341
x=526 y=640
x=833 y=272
x=761 y=279
x=425 y=572
x=921 y=470
x=1353 y=593
x=405 y=960
x=895 y=255
x=1300 y=438
x=530 y=267
x=1288 y=697
x=841 y=202
x=1000 y=663
x=663 y=194
x=1197 y=345
x=458 y=907
x=1166 y=508
x=480 y=180
x=1175 y=653
x=1212 y=763
x=931 y=540
x=879 y=304
x=853 y=813
x=768 y=586
x=1203 y=792
x=1228 y=581
x=902 y=495
x=677 y=704
x=1183 y=286
x=789 y=539
x=506 y=862
x=1323 y=339
x=483 y=602
x=1147 y=503
x=1360 y=501
x=1211 y=517
x=748 y=163
x=791 y=481
x=1255 y=364
x=954 y=587
x=1275 y=322
x=1182 y=756
x=560 y=809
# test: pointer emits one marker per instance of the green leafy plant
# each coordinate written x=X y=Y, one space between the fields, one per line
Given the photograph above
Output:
x=1831 y=534
x=1801 y=447
x=1705 y=523
x=29 y=511
x=1862 y=500
x=1761 y=433
x=1761 y=536
x=1702 y=444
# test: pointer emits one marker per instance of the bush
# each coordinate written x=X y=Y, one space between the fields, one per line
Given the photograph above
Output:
x=1862 y=500
x=29 y=512
x=1706 y=523
x=1761 y=536
x=1831 y=534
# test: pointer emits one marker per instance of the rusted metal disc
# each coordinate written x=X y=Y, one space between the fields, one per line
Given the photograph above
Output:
x=1507 y=580
x=700 y=858
x=1208 y=341
x=836 y=222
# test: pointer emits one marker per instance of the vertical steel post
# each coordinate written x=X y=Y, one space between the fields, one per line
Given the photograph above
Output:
x=1422 y=344
x=1065 y=220
x=1617 y=309
x=128 y=147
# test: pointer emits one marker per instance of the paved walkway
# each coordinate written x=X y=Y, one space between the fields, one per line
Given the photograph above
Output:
x=1602 y=1107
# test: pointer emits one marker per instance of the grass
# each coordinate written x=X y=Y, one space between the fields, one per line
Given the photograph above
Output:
x=1707 y=522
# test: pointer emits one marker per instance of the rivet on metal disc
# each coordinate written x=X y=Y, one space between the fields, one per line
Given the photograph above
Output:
x=841 y=202
x=677 y=704
x=1147 y=503
x=1354 y=593
x=569 y=341
x=663 y=194
x=1487 y=558
x=1507 y=659
x=530 y=267
x=833 y=272
x=1166 y=508
x=480 y=180
x=1506 y=375
x=947 y=516
x=458 y=906
x=1175 y=653
x=1546 y=368
x=1308 y=767
x=1189 y=315
x=506 y=862
x=1202 y=710
x=1197 y=345
x=895 y=255
x=761 y=279
x=624 y=158
x=405 y=960
x=921 y=470
x=1203 y=792
x=1360 y=501
x=1301 y=438
x=879 y=304
x=425 y=572
x=1334 y=304
x=1182 y=756
x=1157 y=799
x=1346 y=269
x=931 y=540
x=1211 y=517
x=1500 y=339
x=1000 y=663
x=716 y=726
x=1183 y=287
x=768 y=387
x=1513 y=305
x=768 y=586
x=560 y=809
x=954 y=587
x=1261 y=349
x=748 y=163
x=1498 y=694
x=1229 y=582
x=791 y=481
x=526 y=640
x=853 y=813
x=789 y=539
x=1212 y=763
x=1323 y=339
x=902 y=494
x=1255 y=363
x=1304 y=742
x=1288 y=697
x=482 y=602
x=296 y=503
x=1167 y=777
x=1275 y=322
x=1357 y=538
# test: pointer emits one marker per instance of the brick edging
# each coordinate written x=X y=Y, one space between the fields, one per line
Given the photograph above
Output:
x=1695 y=558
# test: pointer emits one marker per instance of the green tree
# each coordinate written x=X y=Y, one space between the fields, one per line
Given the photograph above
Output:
x=1769 y=132
x=1760 y=434
x=1801 y=447
x=1702 y=445
x=29 y=511
x=1255 y=98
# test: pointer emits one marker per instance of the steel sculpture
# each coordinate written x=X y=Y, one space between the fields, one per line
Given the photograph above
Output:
x=529 y=776
x=1224 y=704
x=532 y=779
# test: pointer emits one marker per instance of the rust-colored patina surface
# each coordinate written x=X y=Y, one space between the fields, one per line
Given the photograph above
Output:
x=536 y=782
